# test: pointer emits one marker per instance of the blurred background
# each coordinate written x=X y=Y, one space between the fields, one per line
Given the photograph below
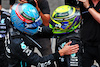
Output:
x=52 y=3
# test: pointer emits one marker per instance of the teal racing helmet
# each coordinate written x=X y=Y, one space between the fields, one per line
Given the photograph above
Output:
x=65 y=19
x=25 y=18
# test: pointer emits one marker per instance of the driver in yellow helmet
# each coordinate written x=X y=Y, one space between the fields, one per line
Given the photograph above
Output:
x=65 y=23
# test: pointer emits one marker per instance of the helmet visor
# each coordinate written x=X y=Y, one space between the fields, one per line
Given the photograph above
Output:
x=35 y=24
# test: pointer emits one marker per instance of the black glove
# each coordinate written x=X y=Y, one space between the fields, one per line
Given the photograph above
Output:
x=44 y=31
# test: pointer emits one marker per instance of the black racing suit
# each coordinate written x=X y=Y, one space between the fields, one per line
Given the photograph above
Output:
x=72 y=2
x=3 y=62
x=75 y=36
x=90 y=35
x=20 y=49
x=64 y=61
x=0 y=2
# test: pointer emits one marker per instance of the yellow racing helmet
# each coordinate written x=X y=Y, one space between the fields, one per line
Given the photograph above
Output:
x=65 y=19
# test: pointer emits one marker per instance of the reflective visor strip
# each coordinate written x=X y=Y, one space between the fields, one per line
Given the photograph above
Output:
x=38 y=19
x=53 y=22
x=35 y=24
x=20 y=16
